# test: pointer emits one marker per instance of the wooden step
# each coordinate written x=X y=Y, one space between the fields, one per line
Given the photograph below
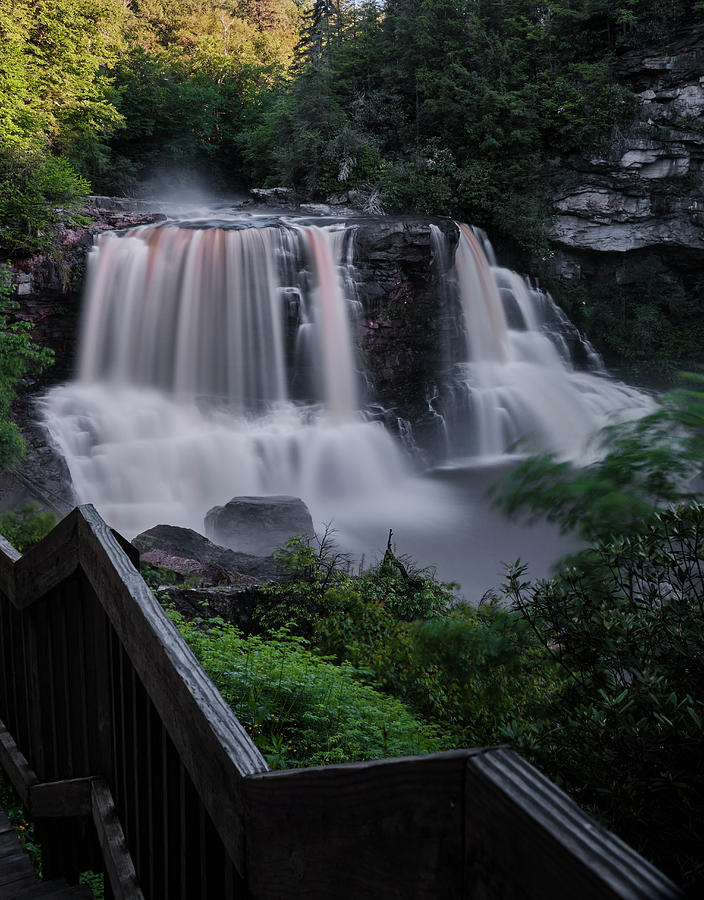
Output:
x=18 y=877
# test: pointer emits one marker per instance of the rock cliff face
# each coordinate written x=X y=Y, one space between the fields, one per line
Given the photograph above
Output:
x=646 y=191
x=404 y=319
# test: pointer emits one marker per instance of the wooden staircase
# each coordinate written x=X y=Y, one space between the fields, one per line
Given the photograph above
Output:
x=129 y=762
x=18 y=877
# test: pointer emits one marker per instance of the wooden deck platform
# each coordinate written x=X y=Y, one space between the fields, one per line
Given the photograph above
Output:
x=18 y=878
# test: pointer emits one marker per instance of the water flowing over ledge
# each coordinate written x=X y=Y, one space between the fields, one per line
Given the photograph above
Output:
x=217 y=361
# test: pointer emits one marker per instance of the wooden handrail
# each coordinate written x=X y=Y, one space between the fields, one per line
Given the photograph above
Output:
x=76 y=797
x=118 y=730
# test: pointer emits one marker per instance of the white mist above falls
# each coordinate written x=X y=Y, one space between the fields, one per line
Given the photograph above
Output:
x=221 y=361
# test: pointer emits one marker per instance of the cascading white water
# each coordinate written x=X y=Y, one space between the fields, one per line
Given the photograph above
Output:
x=335 y=339
x=517 y=390
x=182 y=397
x=219 y=361
x=193 y=312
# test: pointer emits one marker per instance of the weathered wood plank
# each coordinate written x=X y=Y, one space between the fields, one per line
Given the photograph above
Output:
x=8 y=558
x=213 y=745
x=5 y=697
x=15 y=765
x=119 y=867
x=524 y=832
x=48 y=563
x=382 y=829
x=8 y=845
x=98 y=687
x=14 y=869
x=56 y=799
x=35 y=694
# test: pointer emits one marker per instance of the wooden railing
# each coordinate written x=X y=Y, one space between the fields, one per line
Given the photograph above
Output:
x=129 y=762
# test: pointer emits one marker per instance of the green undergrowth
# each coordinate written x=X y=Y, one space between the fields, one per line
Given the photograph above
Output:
x=26 y=526
x=383 y=662
x=300 y=708
x=470 y=671
x=623 y=621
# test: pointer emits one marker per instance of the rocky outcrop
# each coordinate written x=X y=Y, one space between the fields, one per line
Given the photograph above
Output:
x=646 y=190
x=235 y=604
x=259 y=525
x=60 y=272
x=194 y=558
x=407 y=318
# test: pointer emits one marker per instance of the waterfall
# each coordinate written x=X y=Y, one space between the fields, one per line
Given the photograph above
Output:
x=185 y=375
x=218 y=358
x=515 y=389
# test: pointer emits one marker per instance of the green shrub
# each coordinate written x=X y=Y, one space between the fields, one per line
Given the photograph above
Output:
x=19 y=356
x=312 y=568
x=27 y=526
x=32 y=185
x=625 y=734
x=299 y=708
x=472 y=671
x=624 y=621
x=406 y=591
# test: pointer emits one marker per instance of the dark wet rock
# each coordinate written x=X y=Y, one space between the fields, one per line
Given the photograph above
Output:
x=259 y=525
x=41 y=477
x=276 y=196
x=409 y=320
x=235 y=604
x=195 y=558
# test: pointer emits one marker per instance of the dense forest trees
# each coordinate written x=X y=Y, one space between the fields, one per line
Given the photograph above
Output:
x=442 y=106
x=97 y=93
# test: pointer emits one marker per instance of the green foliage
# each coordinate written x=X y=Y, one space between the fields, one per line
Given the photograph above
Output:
x=642 y=464
x=311 y=568
x=27 y=526
x=406 y=591
x=54 y=109
x=19 y=356
x=472 y=671
x=192 y=85
x=623 y=621
x=581 y=105
x=652 y=323
x=95 y=881
x=301 y=709
x=314 y=569
x=32 y=186
x=625 y=735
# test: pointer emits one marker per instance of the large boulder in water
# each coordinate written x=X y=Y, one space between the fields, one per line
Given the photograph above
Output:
x=192 y=556
x=259 y=525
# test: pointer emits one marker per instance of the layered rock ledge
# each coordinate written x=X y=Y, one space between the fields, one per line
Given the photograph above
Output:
x=646 y=190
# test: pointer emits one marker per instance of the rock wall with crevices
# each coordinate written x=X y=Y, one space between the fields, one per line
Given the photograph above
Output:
x=646 y=190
